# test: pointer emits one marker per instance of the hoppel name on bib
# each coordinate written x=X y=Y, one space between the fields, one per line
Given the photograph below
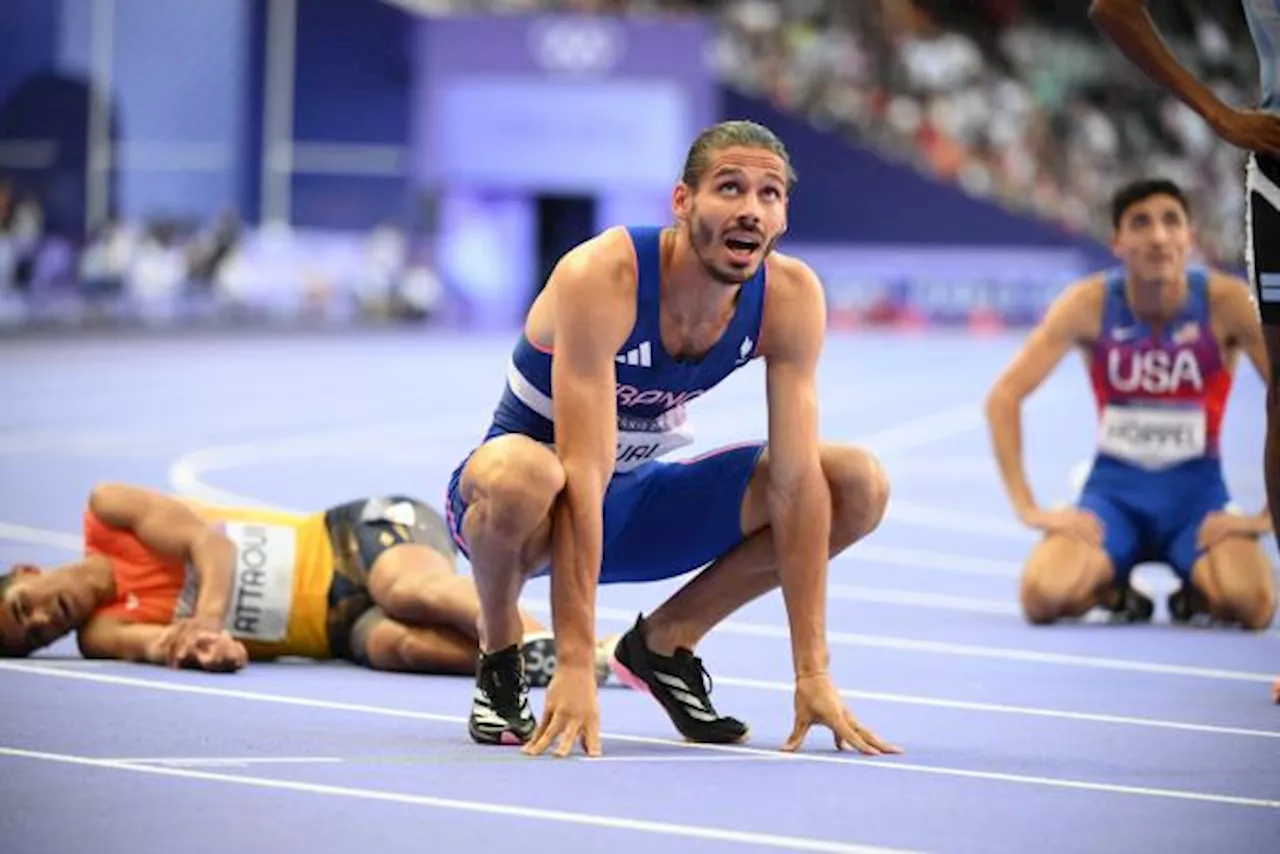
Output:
x=1153 y=437
x=262 y=589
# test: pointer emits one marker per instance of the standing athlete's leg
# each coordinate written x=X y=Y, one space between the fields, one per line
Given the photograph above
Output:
x=504 y=496
x=715 y=510
x=1262 y=247
x=500 y=504
x=1271 y=453
x=859 y=495
x=1262 y=207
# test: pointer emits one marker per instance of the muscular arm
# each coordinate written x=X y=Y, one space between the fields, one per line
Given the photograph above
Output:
x=149 y=643
x=799 y=497
x=1129 y=26
x=1071 y=318
x=173 y=529
x=593 y=315
x=105 y=637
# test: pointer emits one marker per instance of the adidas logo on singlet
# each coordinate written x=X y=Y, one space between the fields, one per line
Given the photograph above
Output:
x=640 y=355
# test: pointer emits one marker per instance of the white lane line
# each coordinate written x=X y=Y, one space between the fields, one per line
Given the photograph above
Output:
x=885 y=763
x=40 y=537
x=918 y=700
x=689 y=831
x=900 y=644
x=224 y=761
x=1005 y=709
x=913 y=599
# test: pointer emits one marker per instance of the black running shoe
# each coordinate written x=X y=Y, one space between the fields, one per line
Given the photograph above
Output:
x=1128 y=605
x=1186 y=603
x=500 y=712
x=680 y=683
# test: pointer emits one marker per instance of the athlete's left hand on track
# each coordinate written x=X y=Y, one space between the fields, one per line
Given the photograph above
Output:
x=818 y=702
x=1221 y=525
x=572 y=712
x=189 y=634
x=219 y=654
x=212 y=651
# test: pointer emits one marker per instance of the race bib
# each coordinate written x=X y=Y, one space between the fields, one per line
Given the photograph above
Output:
x=1151 y=437
x=262 y=588
x=641 y=440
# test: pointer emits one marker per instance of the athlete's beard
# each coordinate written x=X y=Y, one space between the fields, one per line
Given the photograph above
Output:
x=703 y=238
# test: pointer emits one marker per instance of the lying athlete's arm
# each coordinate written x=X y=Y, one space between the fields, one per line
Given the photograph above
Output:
x=799 y=496
x=107 y=637
x=1233 y=306
x=1129 y=26
x=150 y=643
x=171 y=528
x=593 y=317
x=1069 y=320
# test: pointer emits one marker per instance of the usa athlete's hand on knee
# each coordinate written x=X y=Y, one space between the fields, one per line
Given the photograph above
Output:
x=572 y=713
x=818 y=702
x=1221 y=525
x=1070 y=522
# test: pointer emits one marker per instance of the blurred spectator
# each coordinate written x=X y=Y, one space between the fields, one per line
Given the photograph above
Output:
x=1015 y=100
x=1018 y=101
x=21 y=231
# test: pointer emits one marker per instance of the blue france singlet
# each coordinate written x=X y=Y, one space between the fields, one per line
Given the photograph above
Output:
x=653 y=388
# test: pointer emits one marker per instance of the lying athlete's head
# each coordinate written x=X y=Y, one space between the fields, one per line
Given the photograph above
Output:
x=732 y=198
x=1151 y=219
x=37 y=608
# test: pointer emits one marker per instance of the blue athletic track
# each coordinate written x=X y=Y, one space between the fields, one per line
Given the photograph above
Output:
x=1073 y=738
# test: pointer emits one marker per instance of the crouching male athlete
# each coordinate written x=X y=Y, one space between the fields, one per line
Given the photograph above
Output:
x=1160 y=342
x=169 y=581
x=632 y=325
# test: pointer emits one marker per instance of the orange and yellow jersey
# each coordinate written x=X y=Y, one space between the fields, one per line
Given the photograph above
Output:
x=280 y=584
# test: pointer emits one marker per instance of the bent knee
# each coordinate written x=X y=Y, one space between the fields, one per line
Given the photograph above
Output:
x=859 y=492
x=1241 y=585
x=509 y=488
x=1061 y=578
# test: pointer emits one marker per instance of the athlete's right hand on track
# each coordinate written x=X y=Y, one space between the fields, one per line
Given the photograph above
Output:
x=1068 y=522
x=1250 y=130
x=572 y=713
x=818 y=702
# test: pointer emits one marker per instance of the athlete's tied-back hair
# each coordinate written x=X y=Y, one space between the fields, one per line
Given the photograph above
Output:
x=732 y=134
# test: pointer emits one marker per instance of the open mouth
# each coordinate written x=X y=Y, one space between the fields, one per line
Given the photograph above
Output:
x=741 y=247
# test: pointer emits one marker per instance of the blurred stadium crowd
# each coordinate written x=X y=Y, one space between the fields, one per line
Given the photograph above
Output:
x=1017 y=101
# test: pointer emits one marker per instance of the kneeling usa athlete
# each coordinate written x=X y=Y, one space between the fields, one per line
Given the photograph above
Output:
x=1161 y=342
